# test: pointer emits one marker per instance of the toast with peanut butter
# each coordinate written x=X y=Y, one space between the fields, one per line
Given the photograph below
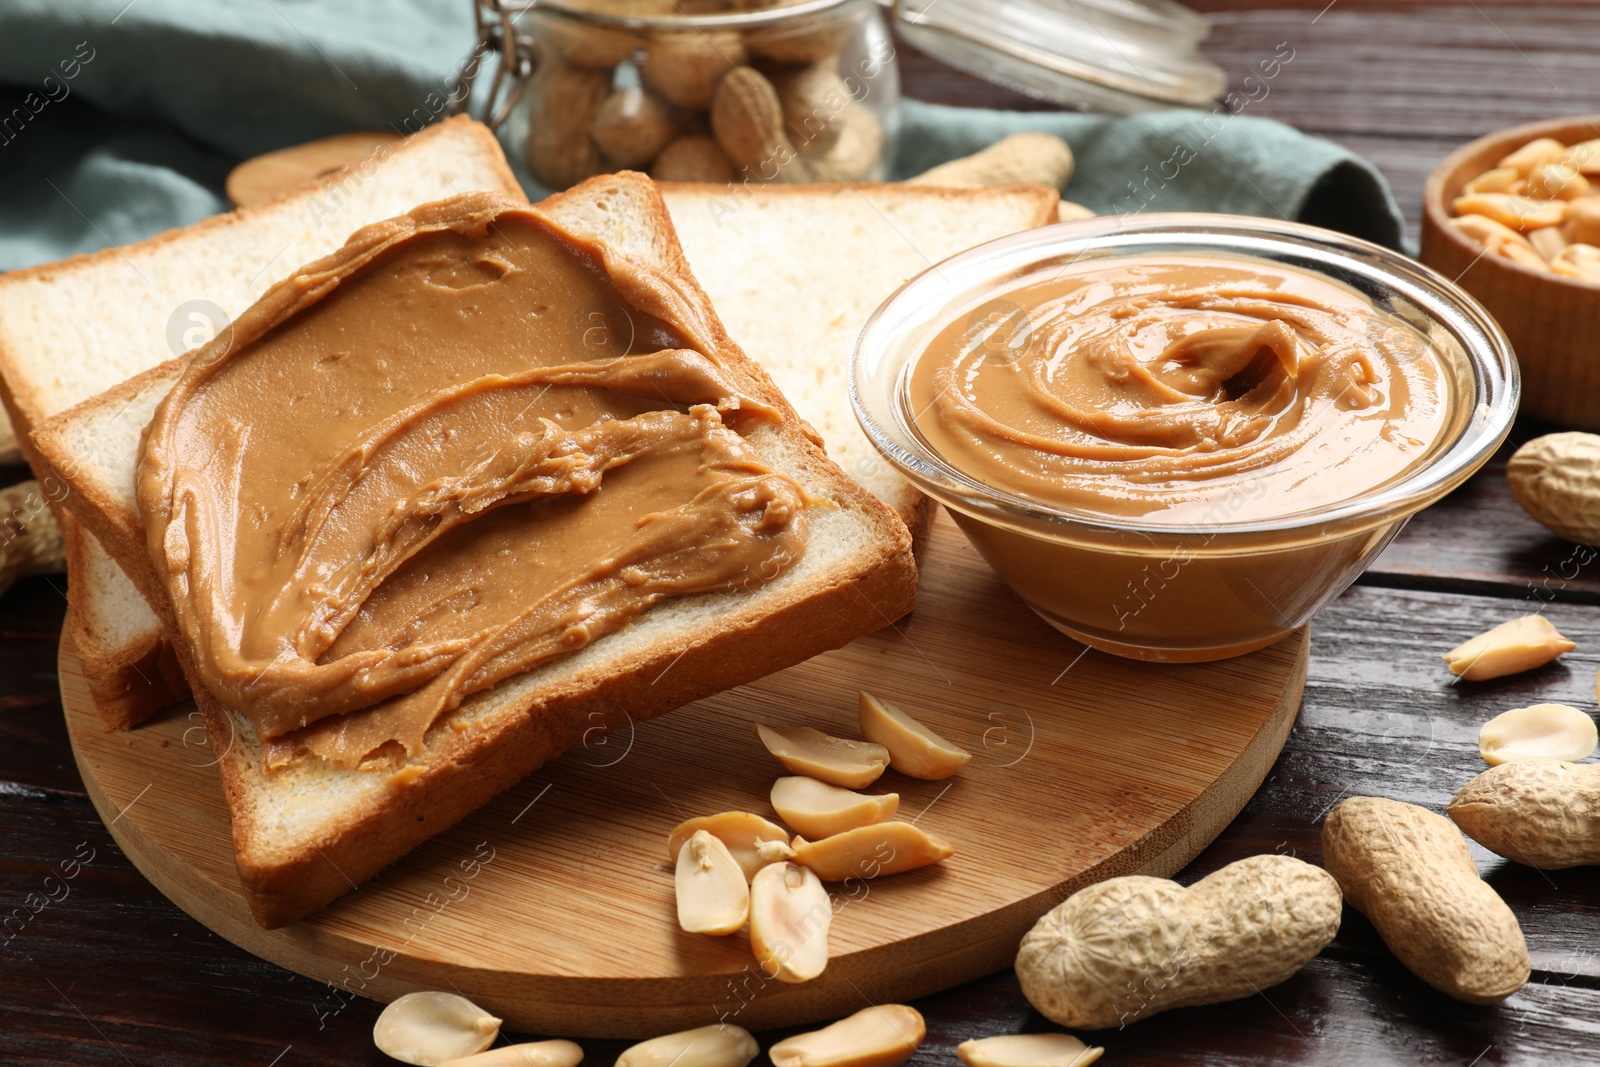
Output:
x=73 y=329
x=835 y=252
x=443 y=501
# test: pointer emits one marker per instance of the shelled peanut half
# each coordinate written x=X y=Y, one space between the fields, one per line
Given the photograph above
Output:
x=1540 y=207
x=737 y=868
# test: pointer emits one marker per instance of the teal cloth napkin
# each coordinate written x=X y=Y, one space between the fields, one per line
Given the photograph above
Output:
x=119 y=120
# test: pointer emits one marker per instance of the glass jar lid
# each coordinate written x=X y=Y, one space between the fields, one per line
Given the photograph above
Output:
x=1114 y=56
x=684 y=14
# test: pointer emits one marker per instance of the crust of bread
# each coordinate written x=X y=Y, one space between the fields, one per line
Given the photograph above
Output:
x=913 y=508
x=498 y=736
x=90 y=503
x=131 y=680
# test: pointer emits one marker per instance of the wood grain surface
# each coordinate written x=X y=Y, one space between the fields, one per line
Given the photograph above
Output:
x=113 y=974
x=552 y=906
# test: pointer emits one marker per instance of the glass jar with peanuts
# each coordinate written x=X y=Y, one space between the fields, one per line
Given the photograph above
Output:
x=709 y=91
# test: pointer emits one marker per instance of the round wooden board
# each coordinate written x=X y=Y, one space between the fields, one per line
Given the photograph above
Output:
x=552 y=906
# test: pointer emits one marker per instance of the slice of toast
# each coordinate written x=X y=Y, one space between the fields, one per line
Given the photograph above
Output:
x=796 y=270
x=305 y=834
x=127 y=661
x=73 y=329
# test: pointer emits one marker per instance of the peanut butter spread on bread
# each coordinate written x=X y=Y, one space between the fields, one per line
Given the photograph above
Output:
x=465 y=444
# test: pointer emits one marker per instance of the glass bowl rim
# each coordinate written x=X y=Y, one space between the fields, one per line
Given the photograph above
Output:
x=1494 y=388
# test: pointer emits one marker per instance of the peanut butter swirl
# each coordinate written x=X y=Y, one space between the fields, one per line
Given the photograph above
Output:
x=463 y=446
x=1156 y=386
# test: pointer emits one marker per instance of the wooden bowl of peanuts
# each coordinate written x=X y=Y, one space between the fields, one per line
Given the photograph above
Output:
x=1514 y=218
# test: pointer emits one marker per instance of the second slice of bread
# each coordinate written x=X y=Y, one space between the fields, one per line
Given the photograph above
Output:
x=305 y=834
x=795 y=271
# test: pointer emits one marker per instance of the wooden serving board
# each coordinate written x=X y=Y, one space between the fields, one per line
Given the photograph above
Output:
x=553 y=905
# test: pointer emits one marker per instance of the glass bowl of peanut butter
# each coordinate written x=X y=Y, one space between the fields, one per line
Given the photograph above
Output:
x=1178 y=436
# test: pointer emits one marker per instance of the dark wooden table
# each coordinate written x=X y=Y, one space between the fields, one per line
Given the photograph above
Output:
x=113 y=974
